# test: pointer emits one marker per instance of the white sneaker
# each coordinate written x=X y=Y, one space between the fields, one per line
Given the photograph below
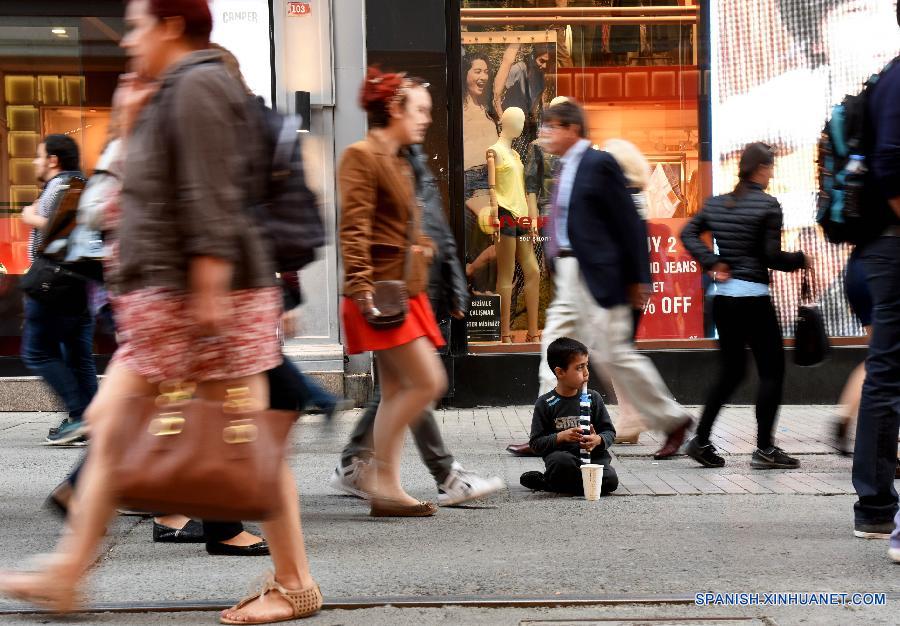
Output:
x=462 y=485
x=348 y=479
x=894 y=553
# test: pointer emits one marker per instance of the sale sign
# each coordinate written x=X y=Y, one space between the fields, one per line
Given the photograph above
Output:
x=675 y=308
x=299 y=9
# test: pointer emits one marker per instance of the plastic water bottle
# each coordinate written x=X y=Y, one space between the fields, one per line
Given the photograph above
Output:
x=854 y=183
x=584 y=420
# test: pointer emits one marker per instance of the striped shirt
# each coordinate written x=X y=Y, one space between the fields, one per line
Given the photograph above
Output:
x=47 y=203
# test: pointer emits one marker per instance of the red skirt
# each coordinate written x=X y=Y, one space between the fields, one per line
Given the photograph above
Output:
x=360 y=336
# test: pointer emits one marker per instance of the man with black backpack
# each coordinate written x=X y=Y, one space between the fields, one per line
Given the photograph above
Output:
x=875 y=455
x=58 y=336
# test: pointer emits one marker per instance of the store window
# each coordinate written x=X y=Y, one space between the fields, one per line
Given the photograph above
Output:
x=633 y=65
x=57 y=75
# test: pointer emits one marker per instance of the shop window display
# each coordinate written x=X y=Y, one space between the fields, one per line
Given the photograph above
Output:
x=57 y=75
x=632 y=65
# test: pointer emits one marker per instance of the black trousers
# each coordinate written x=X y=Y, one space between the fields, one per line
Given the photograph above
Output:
x=743 y=322
x=221 y=531
x=563 y=474
x=875 y=454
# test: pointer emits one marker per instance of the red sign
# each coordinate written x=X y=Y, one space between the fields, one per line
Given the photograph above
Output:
x=675 y=309
x=298 y=9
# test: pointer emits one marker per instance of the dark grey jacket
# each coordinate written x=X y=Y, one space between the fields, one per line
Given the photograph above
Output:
x=447 y=287
x=188 y=168
x=748 y=235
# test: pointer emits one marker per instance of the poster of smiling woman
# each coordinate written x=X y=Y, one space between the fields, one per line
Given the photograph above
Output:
x=500 y=70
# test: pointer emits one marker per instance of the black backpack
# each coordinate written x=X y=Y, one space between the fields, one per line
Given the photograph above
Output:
x=847 y=205
x=287 y=209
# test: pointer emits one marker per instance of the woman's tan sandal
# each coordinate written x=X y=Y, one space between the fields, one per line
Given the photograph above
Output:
x=40 y=589
x=304 y=602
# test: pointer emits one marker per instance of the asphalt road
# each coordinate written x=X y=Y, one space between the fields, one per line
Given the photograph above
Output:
x=515 y=544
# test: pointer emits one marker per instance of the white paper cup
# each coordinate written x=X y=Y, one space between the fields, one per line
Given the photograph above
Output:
x=592 y=479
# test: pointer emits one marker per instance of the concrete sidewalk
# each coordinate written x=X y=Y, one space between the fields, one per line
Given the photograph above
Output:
x=802 y=430
x=724 y=530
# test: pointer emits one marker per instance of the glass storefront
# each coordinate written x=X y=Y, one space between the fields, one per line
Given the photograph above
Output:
x=776 y=67
x=59 y=66
x=57 y=75
x=634 y=67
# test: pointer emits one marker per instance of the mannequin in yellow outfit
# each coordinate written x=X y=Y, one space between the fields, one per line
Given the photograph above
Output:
x=515 y=237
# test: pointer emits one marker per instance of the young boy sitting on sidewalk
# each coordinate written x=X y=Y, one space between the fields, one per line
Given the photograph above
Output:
x=555 y=432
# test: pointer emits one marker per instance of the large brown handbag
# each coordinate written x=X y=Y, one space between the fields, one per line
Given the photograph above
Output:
x=204 y=459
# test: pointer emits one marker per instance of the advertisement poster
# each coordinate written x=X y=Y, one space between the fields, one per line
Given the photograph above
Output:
x=675 y=309
x=242 y=26
x=501 y=71
x=483 y=319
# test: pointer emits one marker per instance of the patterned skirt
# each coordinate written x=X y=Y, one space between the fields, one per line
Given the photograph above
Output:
x=158 y=340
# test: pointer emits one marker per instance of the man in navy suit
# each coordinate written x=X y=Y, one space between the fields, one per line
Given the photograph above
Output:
x=598 y=251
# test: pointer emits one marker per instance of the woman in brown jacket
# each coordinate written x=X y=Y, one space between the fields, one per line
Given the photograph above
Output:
x=381 y=240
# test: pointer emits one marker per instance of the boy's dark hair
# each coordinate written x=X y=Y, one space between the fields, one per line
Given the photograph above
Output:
x=567 y=114
x=561 y=352
x=64 y=149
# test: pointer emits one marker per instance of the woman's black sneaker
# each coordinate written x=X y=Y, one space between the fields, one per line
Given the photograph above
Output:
x=705 y=455
x=773 y=458
x=840 y=437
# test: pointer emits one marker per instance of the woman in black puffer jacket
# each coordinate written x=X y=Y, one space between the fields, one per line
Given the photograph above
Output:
x=746 y=225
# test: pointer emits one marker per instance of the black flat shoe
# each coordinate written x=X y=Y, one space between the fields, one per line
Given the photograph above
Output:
x=191 y=533
x=260 y=548
x=56 y=507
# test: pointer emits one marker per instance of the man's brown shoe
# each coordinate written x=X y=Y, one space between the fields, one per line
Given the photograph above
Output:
x=520 y=449
x=674 y=441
